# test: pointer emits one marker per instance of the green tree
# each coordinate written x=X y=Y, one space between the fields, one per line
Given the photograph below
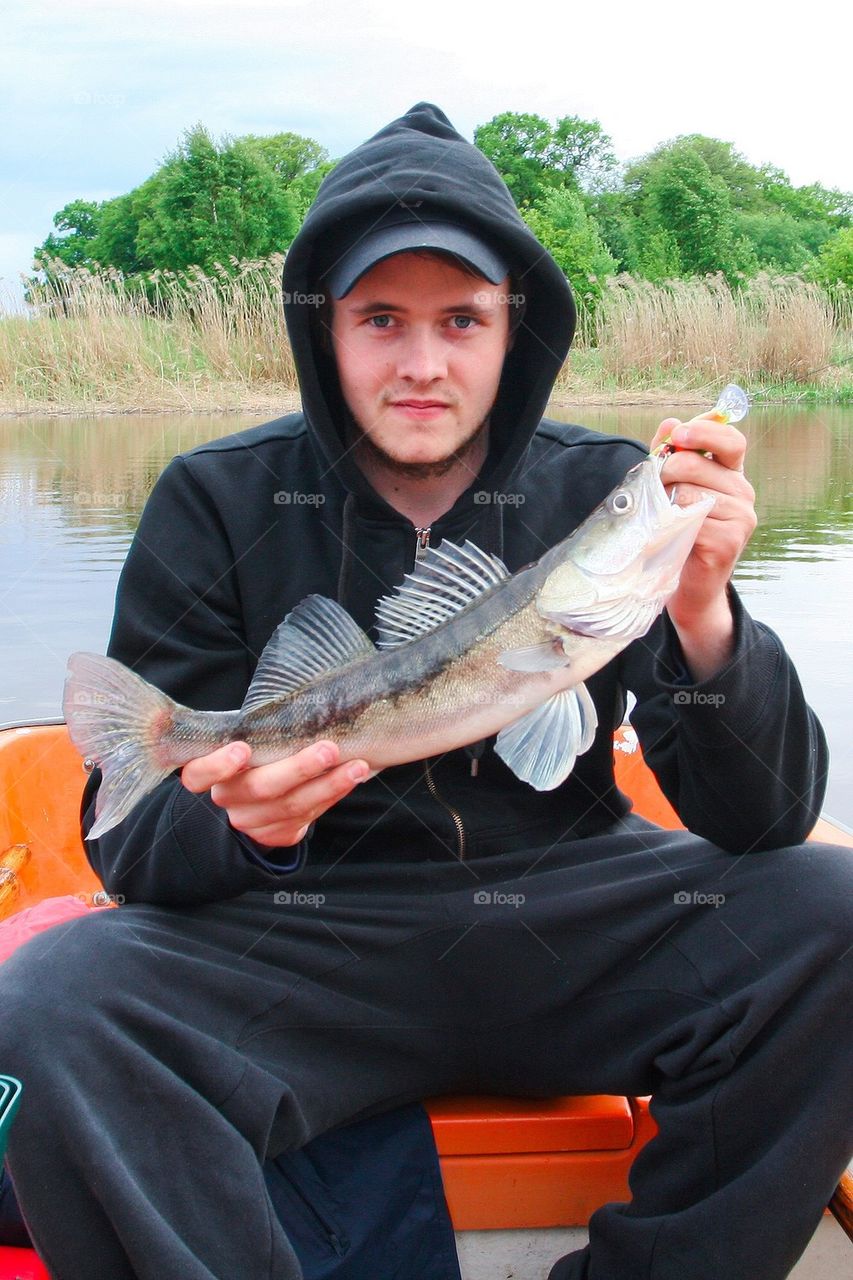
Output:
x=118 y=241
x=304 y=188
x=533 y=157
x=561 y=223
x=214 y=203
x=517 y=144
x=78 y=224
x=834 y=263
x=289 y=155
x=682 y=197
x=580 y=154
x=775 y=238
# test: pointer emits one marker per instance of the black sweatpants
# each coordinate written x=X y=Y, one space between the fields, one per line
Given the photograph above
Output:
x=166 y=1052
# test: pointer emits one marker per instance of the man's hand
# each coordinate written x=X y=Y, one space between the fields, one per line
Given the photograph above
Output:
x=274 y=804
x=699 y=609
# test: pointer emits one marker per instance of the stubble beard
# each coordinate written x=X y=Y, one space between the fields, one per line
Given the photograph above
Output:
x=375 y=454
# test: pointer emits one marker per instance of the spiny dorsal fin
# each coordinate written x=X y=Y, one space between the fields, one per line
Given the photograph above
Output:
x=315 y=637
x=446 y=580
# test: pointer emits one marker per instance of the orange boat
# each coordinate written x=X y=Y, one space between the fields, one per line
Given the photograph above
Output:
x=516 y=1172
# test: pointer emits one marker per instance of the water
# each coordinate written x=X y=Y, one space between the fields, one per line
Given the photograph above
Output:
x=71 y=491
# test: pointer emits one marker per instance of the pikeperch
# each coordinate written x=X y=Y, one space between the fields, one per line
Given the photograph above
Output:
x=466 y=650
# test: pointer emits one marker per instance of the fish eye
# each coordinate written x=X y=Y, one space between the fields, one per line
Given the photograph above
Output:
x=621 y=502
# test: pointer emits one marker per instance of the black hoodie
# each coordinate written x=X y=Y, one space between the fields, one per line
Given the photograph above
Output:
x=238 y=531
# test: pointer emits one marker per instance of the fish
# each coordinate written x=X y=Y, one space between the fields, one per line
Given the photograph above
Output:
x=466 y=650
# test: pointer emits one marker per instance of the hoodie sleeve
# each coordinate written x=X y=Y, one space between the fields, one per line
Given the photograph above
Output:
x=178 y=623
x=741 y=757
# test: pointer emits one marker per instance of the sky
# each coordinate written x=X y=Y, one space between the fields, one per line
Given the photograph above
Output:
x=95 y=93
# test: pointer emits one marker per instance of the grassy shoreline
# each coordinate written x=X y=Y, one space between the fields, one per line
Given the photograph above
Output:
x=278 y=401
x=217 y=344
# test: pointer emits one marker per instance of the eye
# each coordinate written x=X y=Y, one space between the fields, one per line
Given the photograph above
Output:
x=380 y=322
x=463 y=322
x=620 y=502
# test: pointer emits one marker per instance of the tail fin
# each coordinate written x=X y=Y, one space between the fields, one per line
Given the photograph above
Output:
x=116 y=718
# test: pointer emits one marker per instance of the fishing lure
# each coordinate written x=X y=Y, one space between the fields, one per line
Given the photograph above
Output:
x=732 y=406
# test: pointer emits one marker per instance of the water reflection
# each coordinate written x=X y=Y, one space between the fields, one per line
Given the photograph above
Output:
x=71 y=491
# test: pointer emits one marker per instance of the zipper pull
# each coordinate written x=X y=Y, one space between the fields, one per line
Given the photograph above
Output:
x=422 y=541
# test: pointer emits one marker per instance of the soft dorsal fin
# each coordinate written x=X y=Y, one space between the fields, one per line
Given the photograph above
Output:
x=315 y=637
x=446 y=580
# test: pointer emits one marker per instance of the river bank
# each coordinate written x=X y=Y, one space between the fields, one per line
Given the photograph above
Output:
x=274 y=401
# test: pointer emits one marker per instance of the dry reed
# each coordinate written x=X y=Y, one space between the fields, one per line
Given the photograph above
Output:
x=770 y=330
x=93 y=338
x=210 y=340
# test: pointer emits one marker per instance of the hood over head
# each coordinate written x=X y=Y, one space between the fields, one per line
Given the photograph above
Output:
x=419 y=168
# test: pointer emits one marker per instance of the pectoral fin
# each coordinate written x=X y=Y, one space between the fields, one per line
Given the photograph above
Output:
x=535 y=657
x=541 y=748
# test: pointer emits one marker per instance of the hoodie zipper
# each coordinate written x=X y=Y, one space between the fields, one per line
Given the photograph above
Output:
x=421 y=547
x=422 y=541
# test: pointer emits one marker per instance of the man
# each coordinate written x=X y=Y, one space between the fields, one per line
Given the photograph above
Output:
x=301 y=946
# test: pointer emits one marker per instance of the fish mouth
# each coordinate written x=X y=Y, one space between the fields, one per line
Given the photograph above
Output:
x=667 y=550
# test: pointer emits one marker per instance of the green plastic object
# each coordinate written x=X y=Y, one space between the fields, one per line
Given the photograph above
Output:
x=10 y=1096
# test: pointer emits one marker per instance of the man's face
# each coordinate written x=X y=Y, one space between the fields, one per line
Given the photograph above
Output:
x=419 y=346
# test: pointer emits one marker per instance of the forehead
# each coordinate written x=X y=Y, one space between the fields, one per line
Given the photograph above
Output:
x=413 y=272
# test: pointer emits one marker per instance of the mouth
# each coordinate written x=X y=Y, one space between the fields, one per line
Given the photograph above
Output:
x=419 y=404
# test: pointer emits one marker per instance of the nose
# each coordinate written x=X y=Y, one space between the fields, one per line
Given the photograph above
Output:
x=422 y=357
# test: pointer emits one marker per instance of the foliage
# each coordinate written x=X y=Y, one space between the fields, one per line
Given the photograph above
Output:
x=215 y=203
x=207 y=203
x=534 y=157
x=693 y=206
x=561 y=223
x=834 y=263
x=289 y=155
x=78 y=222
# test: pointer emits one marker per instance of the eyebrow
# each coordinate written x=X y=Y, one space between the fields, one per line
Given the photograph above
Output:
x=476 y=308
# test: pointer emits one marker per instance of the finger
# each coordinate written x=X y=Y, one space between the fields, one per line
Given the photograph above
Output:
x=726 y=506
x=726 y=443
x=665 y=429
x=285 y=821
x=689 y=467
x=271 y=781
x=301 y=804
x=217 y=766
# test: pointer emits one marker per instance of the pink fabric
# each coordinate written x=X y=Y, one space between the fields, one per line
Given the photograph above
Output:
x=21 y=1264
x=32 y=920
